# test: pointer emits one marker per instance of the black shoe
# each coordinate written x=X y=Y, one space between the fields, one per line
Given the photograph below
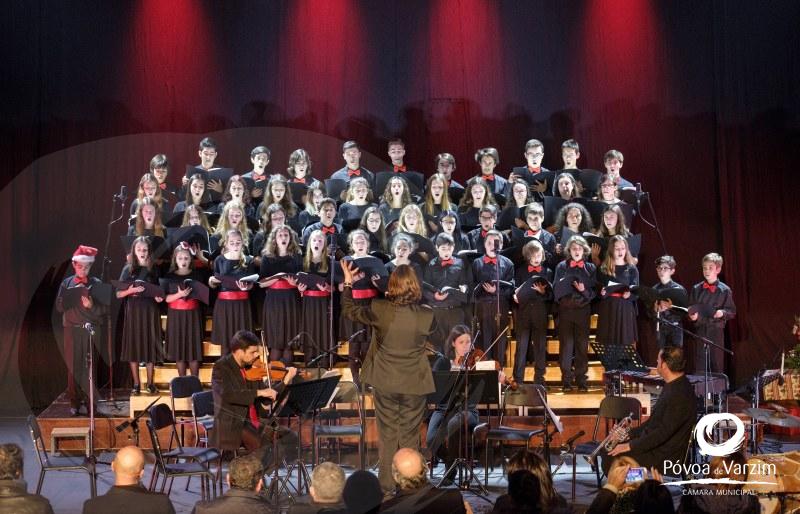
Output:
x=566 y=388
x=583 y=388
x=73 y=411
x=152 y=389
x=137 y=390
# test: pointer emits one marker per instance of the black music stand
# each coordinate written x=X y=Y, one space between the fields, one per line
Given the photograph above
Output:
x=300 y=400
x=460 y=389
x=617 y=358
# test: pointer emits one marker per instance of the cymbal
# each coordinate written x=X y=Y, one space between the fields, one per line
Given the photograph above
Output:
x=759 y=414
x=772 y=417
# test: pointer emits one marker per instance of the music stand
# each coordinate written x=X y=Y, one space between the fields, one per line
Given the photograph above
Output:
x=461 y=390
x=300 y=400
x=617 y=358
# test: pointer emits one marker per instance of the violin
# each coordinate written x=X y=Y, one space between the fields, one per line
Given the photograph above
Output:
x=476 y=356
x=276 y=371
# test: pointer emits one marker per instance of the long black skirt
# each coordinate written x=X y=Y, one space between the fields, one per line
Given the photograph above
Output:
x=315 y=325
x=280 y=317
x=142 y=339
x=185 y=334
x=616 y=321
x=229 y=317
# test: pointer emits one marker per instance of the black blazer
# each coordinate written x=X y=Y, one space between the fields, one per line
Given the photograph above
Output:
x=234 y=501
x=130 y=499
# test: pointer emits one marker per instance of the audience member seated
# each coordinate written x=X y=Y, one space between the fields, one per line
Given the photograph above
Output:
x=415 y=493
x=726 y=500
x=128 y=495
x=327 y=484
x=362 y=493
x=549 y=500
x=245 y=480
x=14 y=495
x=653 y=497
x=523 y=494
x=617 y=493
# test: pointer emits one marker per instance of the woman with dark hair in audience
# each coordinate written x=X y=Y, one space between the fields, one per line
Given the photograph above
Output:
x=523 y=495
x=549 y=500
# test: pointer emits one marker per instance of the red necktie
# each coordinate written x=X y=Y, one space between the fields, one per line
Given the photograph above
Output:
x=329 y=230
x=163 y=185
x=534 y=170
x=537 y=269
x=712 y=288
x=81 y=280
x=531 y=233
x=400 y=169
x=447 y=262
x=484 y=232
x=252 y=414
x=489 y=260
x=357 y=172
x=575 y=264
x=488 y=177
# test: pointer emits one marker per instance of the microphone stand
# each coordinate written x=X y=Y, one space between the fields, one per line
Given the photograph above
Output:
x=654 y=225
x=104 y=278
x=331 y=336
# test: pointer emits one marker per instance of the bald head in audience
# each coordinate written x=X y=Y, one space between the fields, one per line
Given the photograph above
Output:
x=408 y=469
x=128 y=466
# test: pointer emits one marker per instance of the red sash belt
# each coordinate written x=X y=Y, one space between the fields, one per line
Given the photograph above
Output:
x=364 y=294
x=183 y=304
x=282 y=284
x=233 y=295
x=316 y=293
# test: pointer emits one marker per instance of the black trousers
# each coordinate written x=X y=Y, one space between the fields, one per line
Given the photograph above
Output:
x=486 y=313
x=445 y=320
x=398 y=417
x=573 y=338
x=530 y=326
x=715 y=333
x=76 y=350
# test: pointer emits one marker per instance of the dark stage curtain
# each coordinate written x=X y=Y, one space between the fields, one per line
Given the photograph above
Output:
x=701 y=97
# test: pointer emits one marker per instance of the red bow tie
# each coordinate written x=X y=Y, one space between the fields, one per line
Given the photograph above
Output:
x=537 y=269
x=400 y=169
x=328 y=230
x=531 y=233
x=447 y=262
x=488 y=177
x=712 y=288
x=81 y=280
x=163 y=185
x=484 y=232
x=575 y=264
x=535 y=170
x=357 y=172
x=489 y=260
x=299 y=180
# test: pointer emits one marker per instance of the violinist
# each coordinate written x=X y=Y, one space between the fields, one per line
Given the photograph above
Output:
x=457 y=346
x=237 y=400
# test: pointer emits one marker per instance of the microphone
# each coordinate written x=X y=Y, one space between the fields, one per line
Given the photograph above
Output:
x=638 y=190
x=571 y=440
x=295 y=339
x=123 y=193
x=89 y=328
x=356 y=334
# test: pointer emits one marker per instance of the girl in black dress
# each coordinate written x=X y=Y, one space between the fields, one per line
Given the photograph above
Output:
x=411 y=221
x=232 y=307
x=565 y=187
x=274 y=216
x=518 y=200
x=232 y=218
x=148 y=188
x=316 y=300
x=437 y=200
x=613 y=224
x=147 y=221
x=359 y=198
x=573 y=216
x=616 y=316
x=372 y=223
x=402 y=248
x=278 y=192
x=364 y=290
x=236 y=191
x=451 y=225
x=184 y=315
x=310 y=214
x=395 y=197
x=280 y=317
x=477 y=195
x=195 y=194
x=141 y=336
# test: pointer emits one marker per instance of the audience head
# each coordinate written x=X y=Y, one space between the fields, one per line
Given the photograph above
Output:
x=246 y=473
x=409 y=469
x=652 y=497
x=10 y=462
x=128 y=466
x=530 y=461
x=524 y=489
x=624 y=460
x=327 y=483
x=362 y=493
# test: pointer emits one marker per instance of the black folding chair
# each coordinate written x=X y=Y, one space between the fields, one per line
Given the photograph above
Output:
x=50 y=462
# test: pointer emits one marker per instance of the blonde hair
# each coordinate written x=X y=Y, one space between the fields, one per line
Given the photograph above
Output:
x=421 y=229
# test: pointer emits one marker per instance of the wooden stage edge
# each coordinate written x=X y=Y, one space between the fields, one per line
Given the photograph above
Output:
x=577 y=412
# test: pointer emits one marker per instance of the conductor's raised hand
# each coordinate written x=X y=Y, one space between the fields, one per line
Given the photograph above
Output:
x=348 y=270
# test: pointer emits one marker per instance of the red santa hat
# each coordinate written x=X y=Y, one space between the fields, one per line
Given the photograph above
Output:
x=84 y=254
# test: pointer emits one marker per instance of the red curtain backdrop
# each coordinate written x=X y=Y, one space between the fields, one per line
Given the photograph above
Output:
x=701 y=97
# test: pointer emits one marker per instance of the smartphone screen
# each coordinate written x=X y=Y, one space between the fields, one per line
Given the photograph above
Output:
x=635 y=475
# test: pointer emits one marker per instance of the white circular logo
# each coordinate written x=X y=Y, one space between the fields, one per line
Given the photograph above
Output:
x=704 y=431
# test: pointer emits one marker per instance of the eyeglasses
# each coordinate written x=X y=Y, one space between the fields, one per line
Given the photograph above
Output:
x=663 y=268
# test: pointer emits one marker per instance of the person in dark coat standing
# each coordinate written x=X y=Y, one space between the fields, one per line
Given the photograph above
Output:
x=396 y=365
x=245 y=480
x=14 y=496
x=236 y=415
x=128 y=494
